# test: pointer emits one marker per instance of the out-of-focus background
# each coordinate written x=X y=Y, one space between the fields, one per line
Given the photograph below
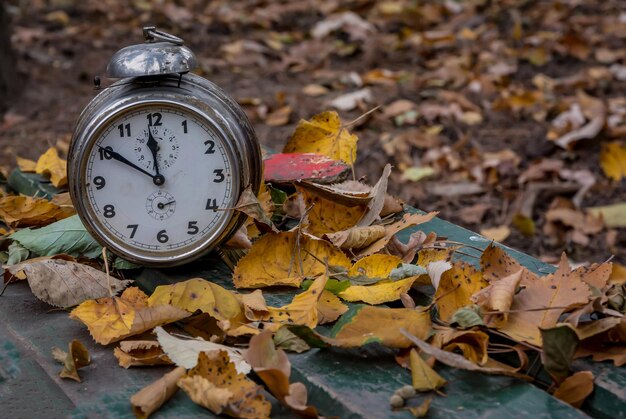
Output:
x=506 y=116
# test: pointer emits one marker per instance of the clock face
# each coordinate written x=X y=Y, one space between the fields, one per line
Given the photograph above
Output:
x=159 y=180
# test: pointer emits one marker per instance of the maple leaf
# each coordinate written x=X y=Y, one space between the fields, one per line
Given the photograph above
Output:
x=555 y=294
x=323 y=134
x=114 y=318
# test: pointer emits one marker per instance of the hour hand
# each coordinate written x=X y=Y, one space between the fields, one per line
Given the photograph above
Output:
x=117 y=156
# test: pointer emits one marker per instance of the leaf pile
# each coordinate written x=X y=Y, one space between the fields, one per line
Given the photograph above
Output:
x=338 y=248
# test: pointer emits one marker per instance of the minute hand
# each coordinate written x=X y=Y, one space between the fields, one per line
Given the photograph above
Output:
x=122 y=159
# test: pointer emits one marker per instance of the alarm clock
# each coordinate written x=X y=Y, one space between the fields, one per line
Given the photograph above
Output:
x=159 y=158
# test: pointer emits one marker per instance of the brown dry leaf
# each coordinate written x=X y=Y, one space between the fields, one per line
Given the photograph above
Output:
x=246 y=398
x=496 y=264
x=613 y=160
x=553 y=294
x=254 y=304
x=498 y=234
x=115 y=318
x=421 y=410
x=273 y=367
x=250 y=205
x=407 y=221
x=596 y=275
x=472 y=343
x=279 y=117
x=64 y=283
x=302 y=309
x=51 y=165
x=323 y=134
x=200 y=294
x=329 y=308
x=456 y=287
x=356 y=237
x=498 y=296
x=326 y=216
x=77 y=357
x=576 y=388
x=26 y=211
x=382 y=292
x=595 y=110
x=150 y=398
x=26 y=165
x=286 y=259
x=457 y=361
x=134 y=353
x=600 y=352
x=424 y=378
x=377 y=202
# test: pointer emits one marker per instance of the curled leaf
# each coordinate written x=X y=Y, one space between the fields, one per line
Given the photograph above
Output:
x=134 y=353
x=77 y=357
x=150 y=398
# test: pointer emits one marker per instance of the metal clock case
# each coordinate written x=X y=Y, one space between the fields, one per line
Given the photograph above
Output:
x=159 y=159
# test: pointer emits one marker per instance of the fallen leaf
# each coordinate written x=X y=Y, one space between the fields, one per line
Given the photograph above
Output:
x=184 y=352
x=200 y=294
x=63 y=283
x=26 y=211
x=576 y=388
x=423 y=377
x=274 y=369
x=456 y=287
x=467 y=317
x=327 y=216
x=613 y=160
x=472 y=343
x=279 y=117
x=351 y=100
x=552 y=295
x=597 y=112
x=242 y=398
x=285 y=339
x=421 y=410
x=286 y=259
x=134 y=353
x=457 y=361
x=559 y=345
x=377 y=202
x=249 y=204
x=17 y=254
x=329 y=308
x=498 y=234
x=498 y=296
x=496 y=264
x=323 y=134
x=302 y=310
x=51 y=165
x=77 y=357
x=26 y=165
x=67 y=236
x=379 y=293
x=356 y=237
x=150 y=398
x=407 y=221
x=375 y=266
x=114 y=318
x=613 y=215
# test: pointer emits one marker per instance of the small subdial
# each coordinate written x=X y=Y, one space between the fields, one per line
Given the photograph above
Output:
x=167 y=152
x=160 y=205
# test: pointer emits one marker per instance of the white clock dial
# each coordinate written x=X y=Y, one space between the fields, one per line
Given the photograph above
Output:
x=165 y=204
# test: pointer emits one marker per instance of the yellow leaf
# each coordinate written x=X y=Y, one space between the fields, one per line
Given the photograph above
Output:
x=286 y=259
x=379 y=293
x=498 y=234
x=613 y=160
x=618 y=274
x=329 y=308
x=199 y=294
x=356 y=237
x=368 y=324
x=523 y=224
x=323 y=134
x=554 y=293
x=576 y=388
x=51 y=165
x=326 y=216
x=375 y=266
x=26 y=211
x=498 y=297
x=302 y=309
x=496 y=264
x=26 y=165
x=114 y=318
x=246 y=398
x=423 y=376
x=456 y=286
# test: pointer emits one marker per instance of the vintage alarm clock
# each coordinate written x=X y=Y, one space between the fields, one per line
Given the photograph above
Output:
x=159 y=159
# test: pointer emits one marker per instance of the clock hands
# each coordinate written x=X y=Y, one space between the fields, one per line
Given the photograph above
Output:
x=153 y=146
x=158 y=180
x=162 y=205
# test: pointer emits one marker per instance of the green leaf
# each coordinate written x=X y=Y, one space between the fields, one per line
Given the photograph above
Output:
x=122 y=264
x=17 y=253
x=468 y=316
x=66 y=236
x=289 y=341
x=559 y=345
x=332 y=285
x=406 y=270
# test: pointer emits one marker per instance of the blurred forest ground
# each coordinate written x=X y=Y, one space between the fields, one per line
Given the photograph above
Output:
x=495 y=113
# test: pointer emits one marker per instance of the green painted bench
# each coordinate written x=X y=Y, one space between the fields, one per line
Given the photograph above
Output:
x=346 y=383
